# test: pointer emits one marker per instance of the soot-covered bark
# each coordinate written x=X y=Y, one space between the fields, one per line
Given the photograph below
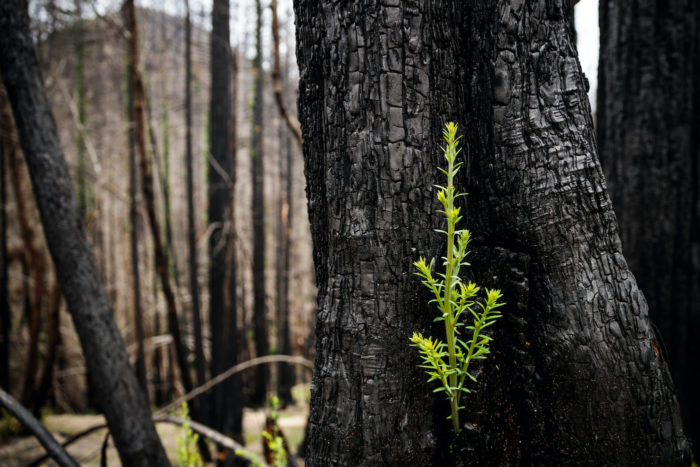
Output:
x=370 y=147
x=575 y=377
x=649 y=139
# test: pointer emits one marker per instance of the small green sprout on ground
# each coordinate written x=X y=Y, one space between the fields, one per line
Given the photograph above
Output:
x=274 y=445
x=187 y=453
x=448 y=362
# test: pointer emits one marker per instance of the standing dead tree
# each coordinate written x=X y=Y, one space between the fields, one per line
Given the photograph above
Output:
x=648 y=134
x=134 y=238
x=5 y=319
x=575 y=376
x=277 y=84
x=200 y=363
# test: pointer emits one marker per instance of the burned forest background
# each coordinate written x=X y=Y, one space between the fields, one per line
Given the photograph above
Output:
x=85 y=62
x=253 y=179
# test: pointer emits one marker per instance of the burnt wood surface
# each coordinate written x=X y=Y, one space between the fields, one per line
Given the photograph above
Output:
x=575 y=377
x=648 y=123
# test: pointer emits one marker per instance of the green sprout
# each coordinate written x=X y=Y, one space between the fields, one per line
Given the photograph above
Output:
x=187 y=453
x=448 y=362
x=273 y=439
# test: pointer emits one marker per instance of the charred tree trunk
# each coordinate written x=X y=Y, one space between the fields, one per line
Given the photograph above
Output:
x=157 y=359
x=133 y=236
x=233 y=410
x=285 y=371
x=256 y=149
x=649 y=139
x=574 y=374
x=113 y=379
x=220 y=167
x=202 y=408
x=5 y=318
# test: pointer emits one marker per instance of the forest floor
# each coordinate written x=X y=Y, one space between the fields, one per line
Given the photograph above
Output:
x=20 y=451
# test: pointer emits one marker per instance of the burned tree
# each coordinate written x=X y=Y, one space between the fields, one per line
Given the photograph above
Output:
x=575 y=374
x=648 y=121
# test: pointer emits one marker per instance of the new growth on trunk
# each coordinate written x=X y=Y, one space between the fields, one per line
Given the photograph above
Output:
x=454 y=298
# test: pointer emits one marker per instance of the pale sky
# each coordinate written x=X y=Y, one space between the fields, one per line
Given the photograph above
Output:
x=588 y=33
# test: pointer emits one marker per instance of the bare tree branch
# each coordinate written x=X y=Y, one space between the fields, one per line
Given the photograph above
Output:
x=292 y=121
x=203 y=430
x=52 y=447
x=232 y=371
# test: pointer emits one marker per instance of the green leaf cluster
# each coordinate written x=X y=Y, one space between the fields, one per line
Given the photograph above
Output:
x=448 y=362
x=187 y=453
x=274 y=440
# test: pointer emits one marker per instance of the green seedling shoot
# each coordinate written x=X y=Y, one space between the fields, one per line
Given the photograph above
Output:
x=273 y=439
x=187 y=453
x=448 y=362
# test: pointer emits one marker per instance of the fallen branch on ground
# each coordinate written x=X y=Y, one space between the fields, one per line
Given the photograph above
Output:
x=159 y=416
x=53 y=449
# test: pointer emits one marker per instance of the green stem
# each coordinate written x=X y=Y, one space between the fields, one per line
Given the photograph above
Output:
x=449 y=319
x=472 y=346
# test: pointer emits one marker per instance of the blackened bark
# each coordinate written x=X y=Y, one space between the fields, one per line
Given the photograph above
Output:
x=220 y=185
x=369 y=187
x=5 y=320
x=574 y=375
x=648 y=135
x=8 y=143
x=114 y=381
x=134 y=238
x=157 y=380
x=233 y=411
x=200 y=363
x=285 y=371
x=256 y=148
